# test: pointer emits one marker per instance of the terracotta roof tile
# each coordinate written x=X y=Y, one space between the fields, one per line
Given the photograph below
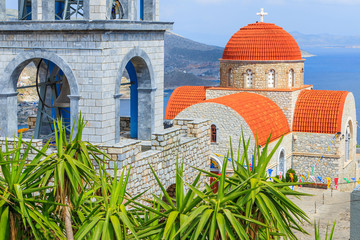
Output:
x=262 y=115
x=262 y=41
x=184 y=97
x=319 y=111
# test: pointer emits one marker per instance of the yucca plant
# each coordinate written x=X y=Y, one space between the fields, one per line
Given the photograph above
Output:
x=23 y=200
x=103 y=213
x=253 y=207
x=71 y=169
x=165 y=216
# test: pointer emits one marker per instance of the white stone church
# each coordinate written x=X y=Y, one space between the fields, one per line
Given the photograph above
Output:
x=262 y=92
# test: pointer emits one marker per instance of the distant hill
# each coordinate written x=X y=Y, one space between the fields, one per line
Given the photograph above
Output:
x=11 y=14
x=326 y=40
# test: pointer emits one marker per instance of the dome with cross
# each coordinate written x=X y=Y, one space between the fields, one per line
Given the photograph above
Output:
x=262 y=42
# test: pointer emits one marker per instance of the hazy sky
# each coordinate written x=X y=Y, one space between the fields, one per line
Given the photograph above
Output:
x=214 y=21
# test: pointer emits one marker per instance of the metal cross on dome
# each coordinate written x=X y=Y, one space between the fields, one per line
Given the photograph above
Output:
x=262 y=14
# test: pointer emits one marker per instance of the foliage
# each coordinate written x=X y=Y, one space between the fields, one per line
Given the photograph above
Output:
x=327 y=236
x=246 y=206
x=25 y=205
x=61 y=193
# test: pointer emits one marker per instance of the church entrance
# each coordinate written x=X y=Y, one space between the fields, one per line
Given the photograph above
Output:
x=281 y=163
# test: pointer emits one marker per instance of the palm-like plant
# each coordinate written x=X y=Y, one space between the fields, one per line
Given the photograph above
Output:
x=23 y=200
x=164 y=219
x=103 y=213
x=262 y=207
x=71 y=168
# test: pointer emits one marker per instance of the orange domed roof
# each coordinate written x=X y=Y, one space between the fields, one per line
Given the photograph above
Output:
x=262 y=41
x=319 y=111
x=184 y=97
x=263 y=116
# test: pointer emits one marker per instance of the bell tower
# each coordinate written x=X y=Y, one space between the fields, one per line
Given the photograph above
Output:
x=81 y=50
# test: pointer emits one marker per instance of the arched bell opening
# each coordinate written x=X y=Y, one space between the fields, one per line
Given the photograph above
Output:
x=140 y=103
x=43 y=91
x=69 y=10
x=129 y=103
x=25 y=10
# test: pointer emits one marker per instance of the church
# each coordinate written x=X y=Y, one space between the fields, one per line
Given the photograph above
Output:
x=262 y=93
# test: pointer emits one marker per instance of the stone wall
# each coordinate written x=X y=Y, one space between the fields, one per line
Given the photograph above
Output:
x=285 y=99
x=260 y=70
x=349 y=169
x=228 y=122
x=189 y=142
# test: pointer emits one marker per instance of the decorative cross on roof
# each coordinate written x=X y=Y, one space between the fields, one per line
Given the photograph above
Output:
x=262 y=14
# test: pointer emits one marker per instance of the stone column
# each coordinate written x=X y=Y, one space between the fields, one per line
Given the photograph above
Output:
x=117 y=117
x=8 y=114
x=151 y=10
x=146 y=114
x=133 y=10
x=74 y=111
x=2 y=10
x=355 y=214
x=48 y=10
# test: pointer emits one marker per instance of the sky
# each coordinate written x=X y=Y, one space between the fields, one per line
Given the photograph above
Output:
x=215 y=21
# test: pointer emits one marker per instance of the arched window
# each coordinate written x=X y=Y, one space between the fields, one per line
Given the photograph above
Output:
x=213 y=133
x=230 y=78
x=271 y=79
x=291 y=78
x=249 y=79
x=281 y=163
x=347 y=143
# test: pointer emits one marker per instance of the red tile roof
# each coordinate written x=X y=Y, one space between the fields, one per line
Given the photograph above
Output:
x=262 y=41
x=262 y=115
x=319 y=111
x=184 y=97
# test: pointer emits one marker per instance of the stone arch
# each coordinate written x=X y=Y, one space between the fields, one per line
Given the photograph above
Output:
x=215 y=159
x=146 y=91
x=8 y=94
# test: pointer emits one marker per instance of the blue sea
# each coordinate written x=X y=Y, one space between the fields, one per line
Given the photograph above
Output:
x=330 y=69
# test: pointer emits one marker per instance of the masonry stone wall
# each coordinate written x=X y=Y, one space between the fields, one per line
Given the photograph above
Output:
x=93 y=56
x=260 y=70
x=228 y=122
x=285 y=99
x=188 y=142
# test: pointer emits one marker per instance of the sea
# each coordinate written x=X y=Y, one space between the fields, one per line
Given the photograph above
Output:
x=329 y=69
